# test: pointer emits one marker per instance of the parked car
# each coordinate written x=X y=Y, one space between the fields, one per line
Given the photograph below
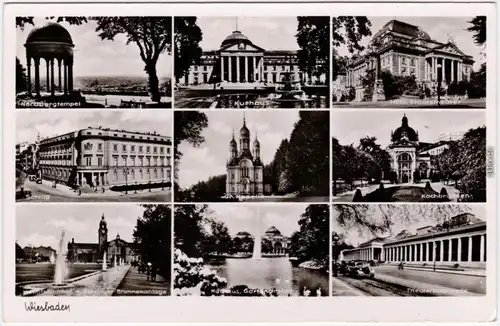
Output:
x=361 y=270
x=39 y=180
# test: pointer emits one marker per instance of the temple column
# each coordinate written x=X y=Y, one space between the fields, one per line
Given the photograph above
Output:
x=245 y=74
x=47 y=79
x=52 y=84
x=421 y=252
x=229 y=70
x=70 y=77
x=443 y=75
x=254 y=71
x=469 y=251
x=410 y=258
x=65 y=68
x=429 y=251
x=481 y=248
x=459 y=249
x=221 y=68
x=434 y=68
x=237 y=69
x=37 y=76
x=59 y=75
x=28 y=70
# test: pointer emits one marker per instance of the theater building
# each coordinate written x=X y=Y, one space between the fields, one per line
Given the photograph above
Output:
x=245 y=170
x=278 y=243
x=461 y=240
x=410 y=157
x=116 y=249
x=239 y=60
x=407 y=50
x=106 y=157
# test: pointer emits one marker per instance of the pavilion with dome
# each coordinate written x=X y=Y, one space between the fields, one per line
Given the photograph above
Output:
x=411 y=158
x=279 y=242
x=404 y=49
x=245 y=171
x=239 y=61
x=50 y=47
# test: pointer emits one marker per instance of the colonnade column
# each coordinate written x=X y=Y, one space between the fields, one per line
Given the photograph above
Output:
x=482 y=246
x=70 y=77
x=221 y=68
x=47 y=79
x=28 y=68
x=52 y=84
x=65 y=68
x=59 y=74
x=421 y=252
x=245 y=74
x=443 y=76
x=469 y=252
x=441 y=250
x=254 y=71
x=37 y=76
x=450 y=249
x=229 y=70
x=459 y=249
x=452 y=71
x=434 y=68
x=237 y=69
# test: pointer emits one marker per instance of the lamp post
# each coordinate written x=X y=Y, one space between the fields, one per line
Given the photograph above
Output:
x=335 y=241
x=439 y=79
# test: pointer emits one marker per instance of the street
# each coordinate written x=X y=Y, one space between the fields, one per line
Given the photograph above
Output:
x=44 y=193
x=390 y=281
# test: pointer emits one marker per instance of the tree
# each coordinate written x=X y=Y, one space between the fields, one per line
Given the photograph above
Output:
x=187 y=51
x=188 y=126
x=152 y=237
x=21 y=78
x=220 y=237
x=312 y=36
x=478 y=27
x=339 y=65
x=266 y=246
x=312 y=241
x=377 y=220
x=189 y=232
x=22 y=21
x=307 y=156
x=380 y=156
x=152 y=35
x=19 y=252
x=275 y=171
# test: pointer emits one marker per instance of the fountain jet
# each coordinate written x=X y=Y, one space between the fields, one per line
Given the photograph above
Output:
x=257 y=245
x=60 y=272
x=52 y=258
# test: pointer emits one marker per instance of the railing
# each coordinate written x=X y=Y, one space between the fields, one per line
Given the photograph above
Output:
x=93 y=167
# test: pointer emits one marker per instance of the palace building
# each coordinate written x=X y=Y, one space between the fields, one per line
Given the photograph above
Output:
x=245 y=170
x=239 y=60
x=116 y=249
x=411 y=158
x=407 y=50
x=106 y=157
x=461 y=240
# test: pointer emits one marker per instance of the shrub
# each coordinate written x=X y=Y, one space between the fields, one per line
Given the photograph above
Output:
x=192 y=277
x=456 y=266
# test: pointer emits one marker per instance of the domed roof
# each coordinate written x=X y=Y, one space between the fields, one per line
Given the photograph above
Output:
x=244 y=132
x=234 y=37
x=233 y=142
x=256 y=142
x=273 y=230
x=405 y=130
x=52 y=32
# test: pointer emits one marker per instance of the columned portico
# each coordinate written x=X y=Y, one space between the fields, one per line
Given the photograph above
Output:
x=241 y=67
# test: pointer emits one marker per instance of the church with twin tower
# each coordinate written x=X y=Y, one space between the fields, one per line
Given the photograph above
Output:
x=245 y=171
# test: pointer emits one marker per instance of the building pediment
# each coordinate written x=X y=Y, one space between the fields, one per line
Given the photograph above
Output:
x=403 y=143
x=241 y=47
x=449 y=48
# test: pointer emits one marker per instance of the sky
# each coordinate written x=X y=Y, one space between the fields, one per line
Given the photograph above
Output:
x=355 y=236
x=238 y=217
x=269 y=33
x=93 y=57
x=271 y=127
x=350 y=127
x=438 y=28
x=42 y=224
x=58 y=122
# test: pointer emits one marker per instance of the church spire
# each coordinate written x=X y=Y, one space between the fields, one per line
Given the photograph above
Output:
x=236 y=24
x=244 y=120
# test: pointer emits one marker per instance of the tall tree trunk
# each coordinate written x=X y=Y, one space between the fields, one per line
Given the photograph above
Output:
x=154 y=84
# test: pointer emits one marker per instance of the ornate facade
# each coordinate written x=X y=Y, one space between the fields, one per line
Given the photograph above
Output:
x=461 y=240
x=245 y=171
x=116 y=249
x=406 y=50
x=106 y=157
x=409 y=156
x=238 y=60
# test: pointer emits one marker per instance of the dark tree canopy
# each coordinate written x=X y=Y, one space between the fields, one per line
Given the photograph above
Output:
x=152 y=237
x=152 y=35
x=22 y=21
x=312 y=36
x=187 y=51
x=478 y=27
x=189 y=233
x=349 y=31
x=21 y=78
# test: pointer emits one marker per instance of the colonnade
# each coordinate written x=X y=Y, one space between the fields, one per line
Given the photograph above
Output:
x=456 y=68
x=64 y=80
x=251 y=70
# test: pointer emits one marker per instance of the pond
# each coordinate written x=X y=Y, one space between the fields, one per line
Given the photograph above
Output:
x=273 y=275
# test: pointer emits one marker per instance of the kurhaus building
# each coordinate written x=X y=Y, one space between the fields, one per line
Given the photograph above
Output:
x=407 y=50
x=410 y=157
x=117 y=249
x=245 y=171
x=461 y=240
x=238 y=60
x=106 y=157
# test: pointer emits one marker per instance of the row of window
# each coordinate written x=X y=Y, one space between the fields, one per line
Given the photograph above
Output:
x=88 y=160
x=141 y=149
x=244 y=173
x=131 y=175
x=125 y=136
x=56 y=173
